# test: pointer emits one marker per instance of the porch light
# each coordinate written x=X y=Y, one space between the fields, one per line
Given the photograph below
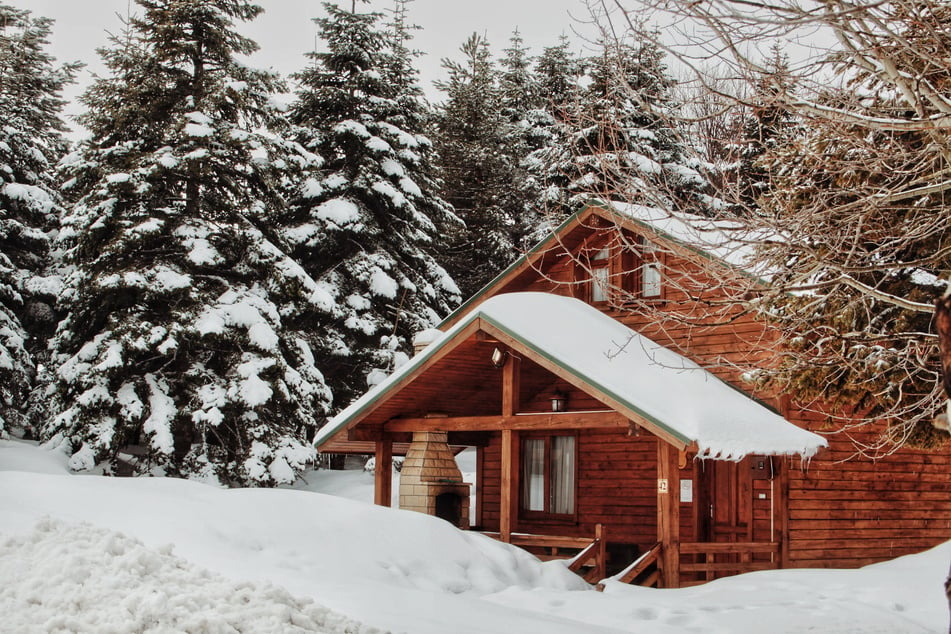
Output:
x=558 y=402
x=498 y=358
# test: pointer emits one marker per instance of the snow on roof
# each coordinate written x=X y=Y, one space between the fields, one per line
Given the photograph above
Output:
x=651 y=382
x=729 y=241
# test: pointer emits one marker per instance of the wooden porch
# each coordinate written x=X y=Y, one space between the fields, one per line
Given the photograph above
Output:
x=667 y=562
x=578 y=460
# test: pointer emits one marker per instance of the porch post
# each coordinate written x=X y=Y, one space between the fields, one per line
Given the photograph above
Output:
x=383 y=473
x=508 y=501
x=668 y=512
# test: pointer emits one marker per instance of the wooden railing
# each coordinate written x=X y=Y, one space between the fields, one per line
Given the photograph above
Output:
x=596 y=554
x=729 y=558
x=588 y=557
x=643 y=571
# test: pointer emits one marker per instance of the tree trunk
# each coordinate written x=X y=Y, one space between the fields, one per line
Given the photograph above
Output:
x=947 y=592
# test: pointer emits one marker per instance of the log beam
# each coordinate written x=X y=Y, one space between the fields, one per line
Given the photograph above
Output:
x=511 y=385
x=521 y=422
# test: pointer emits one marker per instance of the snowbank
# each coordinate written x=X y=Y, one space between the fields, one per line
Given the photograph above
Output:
x=79 y=578
x=290 y=560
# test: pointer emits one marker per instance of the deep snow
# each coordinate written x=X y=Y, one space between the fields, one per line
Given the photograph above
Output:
x=90 y=553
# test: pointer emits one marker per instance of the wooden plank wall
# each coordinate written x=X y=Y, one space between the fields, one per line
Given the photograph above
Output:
x=617 y=484
x=839 y=513
x=848 y=511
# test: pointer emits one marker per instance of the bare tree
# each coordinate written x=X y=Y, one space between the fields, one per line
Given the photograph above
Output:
x=849 y=235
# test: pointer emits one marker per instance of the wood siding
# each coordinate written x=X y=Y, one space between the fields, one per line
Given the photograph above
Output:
x=617 y=484
x=838 y=510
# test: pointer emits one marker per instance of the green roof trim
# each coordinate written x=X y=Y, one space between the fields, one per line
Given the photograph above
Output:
x=630 y=406
x=595 y=203
x=539 y=246
x=387 y=386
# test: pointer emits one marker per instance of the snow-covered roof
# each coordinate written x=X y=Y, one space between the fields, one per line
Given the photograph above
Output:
x=643 y=379
x=725 y=240
x=730 y=243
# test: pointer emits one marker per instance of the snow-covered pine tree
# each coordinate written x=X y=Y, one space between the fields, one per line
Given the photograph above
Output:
x=185 y=348
x=477 y=171
x=861 y=203
x=557 y=73
x=31 y=143
x=765 y=128
x=527 y=130
x=623 y=142
x=366 y=225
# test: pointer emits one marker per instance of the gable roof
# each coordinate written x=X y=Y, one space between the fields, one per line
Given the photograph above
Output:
x=719 y=242
x=667 y=393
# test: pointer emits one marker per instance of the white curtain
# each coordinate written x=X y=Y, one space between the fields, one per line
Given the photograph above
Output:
x=563 y=474
x=599 y=284
x=533 y=474
x=650 y=280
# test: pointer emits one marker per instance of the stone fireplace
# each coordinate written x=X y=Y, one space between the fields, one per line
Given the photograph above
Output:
x=430 y=480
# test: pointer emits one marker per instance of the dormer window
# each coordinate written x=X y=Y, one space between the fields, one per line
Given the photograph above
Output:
x=650 y=270
x=627 y=268
x=601 y=275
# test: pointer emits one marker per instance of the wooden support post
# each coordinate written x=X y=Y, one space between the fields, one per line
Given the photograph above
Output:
x=383 y=473
x=668 y=512
x=780 y=502
x=479 y=487
x=602 y=564
x=508 y=502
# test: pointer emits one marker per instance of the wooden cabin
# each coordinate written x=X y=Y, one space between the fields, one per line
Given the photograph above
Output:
x=628 y=434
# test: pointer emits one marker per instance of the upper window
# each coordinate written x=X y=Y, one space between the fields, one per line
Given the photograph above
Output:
x=628 y=268
x=548 y=475
x=601 y=275
x=650 y=270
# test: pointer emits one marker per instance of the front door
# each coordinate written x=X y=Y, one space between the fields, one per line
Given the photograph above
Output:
x=737 y=505
x=731 y=517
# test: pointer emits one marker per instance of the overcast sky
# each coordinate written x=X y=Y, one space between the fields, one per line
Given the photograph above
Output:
x=285 y=31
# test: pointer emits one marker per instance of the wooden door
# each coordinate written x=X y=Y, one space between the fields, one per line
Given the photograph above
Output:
x=738 y=506
x=729 y=501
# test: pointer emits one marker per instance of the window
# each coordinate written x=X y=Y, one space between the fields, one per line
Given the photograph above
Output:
x=650 y=270
x=601 y=275
x=630 y=267
x=548 y=475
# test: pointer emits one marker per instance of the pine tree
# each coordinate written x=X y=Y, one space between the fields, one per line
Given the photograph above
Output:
x=31 y=143
x=623 y=142
x=557 y=72
x=764 y=130
x=527 y=130
x=860 y=196
x=185 y=348
x=471 y=135
x=366 y=225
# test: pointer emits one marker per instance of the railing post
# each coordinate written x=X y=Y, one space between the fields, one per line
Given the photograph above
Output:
x=602 y=564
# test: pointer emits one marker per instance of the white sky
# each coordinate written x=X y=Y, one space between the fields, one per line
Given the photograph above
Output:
x=285 y=31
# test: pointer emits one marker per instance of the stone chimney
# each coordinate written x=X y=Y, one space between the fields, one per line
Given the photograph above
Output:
x=430 y=480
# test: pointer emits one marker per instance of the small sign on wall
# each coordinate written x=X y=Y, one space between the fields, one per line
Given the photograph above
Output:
x=662 y=485
x=686 y=490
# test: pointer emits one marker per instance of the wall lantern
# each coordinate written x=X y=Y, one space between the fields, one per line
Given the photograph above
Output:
x=498 y=358
x=558 y=402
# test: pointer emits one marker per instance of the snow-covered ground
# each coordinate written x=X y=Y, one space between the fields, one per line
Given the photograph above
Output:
x=84 y=553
